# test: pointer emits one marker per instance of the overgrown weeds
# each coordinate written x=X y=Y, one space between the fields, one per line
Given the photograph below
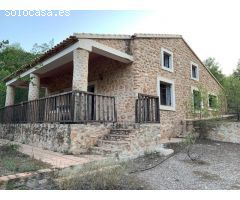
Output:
x=12 y=161
x=107 y=178
x=9 y=149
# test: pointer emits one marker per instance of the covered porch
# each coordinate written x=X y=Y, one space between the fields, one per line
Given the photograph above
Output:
x=69 y=74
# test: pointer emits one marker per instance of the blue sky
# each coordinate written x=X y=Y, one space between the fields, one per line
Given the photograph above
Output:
x=29 y=30
x=208 y=31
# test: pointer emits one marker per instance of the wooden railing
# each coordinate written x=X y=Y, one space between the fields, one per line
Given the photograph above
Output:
x=70 y=107
x=147 y=109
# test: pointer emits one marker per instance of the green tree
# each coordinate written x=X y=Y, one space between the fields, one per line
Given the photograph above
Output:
x=39 y=49
x=3 y=43
x=215 y=69
x=236 y=72
x=11 y=58
x=231 y=85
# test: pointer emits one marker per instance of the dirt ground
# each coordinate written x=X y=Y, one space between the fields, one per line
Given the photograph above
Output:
x=218 y=167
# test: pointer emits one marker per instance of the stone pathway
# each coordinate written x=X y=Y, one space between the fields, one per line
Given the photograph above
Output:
x=57 y=160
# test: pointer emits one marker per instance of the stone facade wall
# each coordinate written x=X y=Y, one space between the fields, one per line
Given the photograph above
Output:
x=113 y=78
x=123 y=45
x=148 y=68
x=125 y=82
x=60 y=84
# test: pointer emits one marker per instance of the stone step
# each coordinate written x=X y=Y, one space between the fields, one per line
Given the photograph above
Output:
x=120 y=131
x=125 y=126
x=117 y=137
x=104 y=150
x=110 y=143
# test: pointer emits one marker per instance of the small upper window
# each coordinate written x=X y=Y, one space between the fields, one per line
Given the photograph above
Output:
x=212 y=101
x=167 y=60
x=194 y=71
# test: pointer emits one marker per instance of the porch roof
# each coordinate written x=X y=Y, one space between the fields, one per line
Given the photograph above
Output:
x=64 y=48
x=56 y=49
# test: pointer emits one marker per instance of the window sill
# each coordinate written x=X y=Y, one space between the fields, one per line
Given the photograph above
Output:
x=167 y=108
x=197 y=111
x=167 y=69
x=212 y=109
x=195 y=79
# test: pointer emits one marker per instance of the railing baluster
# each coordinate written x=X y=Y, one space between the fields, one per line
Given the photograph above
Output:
x=74 y=106
x=147 y=109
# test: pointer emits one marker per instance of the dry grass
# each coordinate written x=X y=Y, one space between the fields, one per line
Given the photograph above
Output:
x=12 y=161
x=102 y=178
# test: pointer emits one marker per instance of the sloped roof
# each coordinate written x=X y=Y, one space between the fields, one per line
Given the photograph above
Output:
x=56 y=49
x=76 y=36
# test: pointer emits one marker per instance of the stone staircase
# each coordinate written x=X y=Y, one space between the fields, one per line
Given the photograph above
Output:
x=118 y=140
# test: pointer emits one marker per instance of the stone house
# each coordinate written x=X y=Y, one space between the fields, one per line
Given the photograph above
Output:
x=96 y=83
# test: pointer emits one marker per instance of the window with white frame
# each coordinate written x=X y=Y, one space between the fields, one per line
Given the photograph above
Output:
x=197 y=100
x=166 y=93
x=166 y=60
x=212 y=101
x=194 y=71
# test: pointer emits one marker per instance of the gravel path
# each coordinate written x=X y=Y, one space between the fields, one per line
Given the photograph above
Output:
x=218 y=168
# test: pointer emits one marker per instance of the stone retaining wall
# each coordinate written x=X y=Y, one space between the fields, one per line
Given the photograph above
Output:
x=225 y=132
x=83 y=136
x=65 y=138
x=145 y=139
x=40 y=179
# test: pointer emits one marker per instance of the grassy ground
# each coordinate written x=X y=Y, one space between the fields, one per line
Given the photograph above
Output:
x=12 y=161
x=109 y=179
